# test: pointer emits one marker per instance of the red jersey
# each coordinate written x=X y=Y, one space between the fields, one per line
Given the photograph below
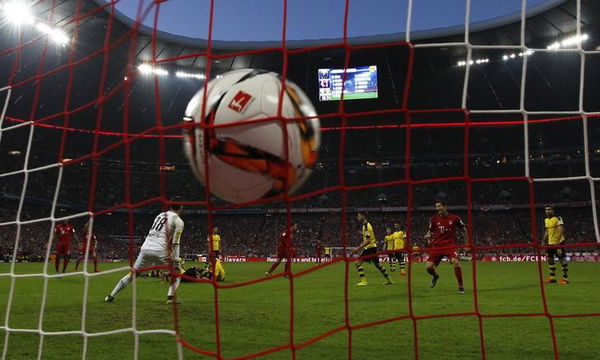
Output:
x=64 y=233
x=86 y=238
x=285 y=241
x=443 y=229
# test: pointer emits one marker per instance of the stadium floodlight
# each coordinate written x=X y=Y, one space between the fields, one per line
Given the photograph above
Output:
x=570 y=41
x=56 y=35
x=505 y=57
x=145 y=69
x=186 y=75
x=17 y=12
x=160 y=72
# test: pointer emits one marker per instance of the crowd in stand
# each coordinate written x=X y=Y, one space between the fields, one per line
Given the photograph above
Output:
x=500 y=208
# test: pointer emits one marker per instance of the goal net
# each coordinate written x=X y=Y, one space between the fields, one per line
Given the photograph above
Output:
x=497 y=116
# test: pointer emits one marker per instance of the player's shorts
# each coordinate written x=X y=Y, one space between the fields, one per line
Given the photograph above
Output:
x=62 y=249
x=148 y=258
x=399 y=255
x=92 y=251
x=370 y=255
x=217 y=253
x=436 y=256
x=556 y=252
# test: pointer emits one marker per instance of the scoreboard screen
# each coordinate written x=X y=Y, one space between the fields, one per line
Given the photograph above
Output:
x=360 y=83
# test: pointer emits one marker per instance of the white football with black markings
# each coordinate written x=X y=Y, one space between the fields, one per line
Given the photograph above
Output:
x=251 y=153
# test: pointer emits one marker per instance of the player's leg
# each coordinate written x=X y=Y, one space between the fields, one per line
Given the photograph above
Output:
x=382 y=270
x=141 y=262
x=57 y=261
x=174 y=284
x=361 y=272
x=560 y=254
x=400 y=260
x=431 y=265
x=81 y=257
x=551 y=266
x=288 y=266
x=458 y=273
x=66 y=259
x=95 y=260
x=274 y=266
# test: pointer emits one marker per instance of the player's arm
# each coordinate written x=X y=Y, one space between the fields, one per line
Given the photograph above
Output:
x=176 y=240
x=364 y=243
x=561 y=227
x=429 y=232
x=75 y=237
x=465 y=231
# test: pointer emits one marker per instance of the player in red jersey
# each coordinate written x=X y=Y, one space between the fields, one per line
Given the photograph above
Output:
x=83 y=247
x=442 y=234
x=318 y=251
x=285 y=250
x=63 y=232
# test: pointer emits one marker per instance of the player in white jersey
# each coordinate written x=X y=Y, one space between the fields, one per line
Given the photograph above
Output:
x=160 y=247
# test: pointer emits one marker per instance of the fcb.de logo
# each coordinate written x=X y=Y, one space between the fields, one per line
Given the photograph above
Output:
x=240 y=101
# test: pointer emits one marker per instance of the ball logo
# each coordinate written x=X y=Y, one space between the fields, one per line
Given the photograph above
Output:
x=240 y=102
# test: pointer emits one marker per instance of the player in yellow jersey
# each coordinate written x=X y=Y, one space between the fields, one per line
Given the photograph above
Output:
x=399 y=243
x=215 y=250
x=554 y=235
x=368 y=251
x=389 y=248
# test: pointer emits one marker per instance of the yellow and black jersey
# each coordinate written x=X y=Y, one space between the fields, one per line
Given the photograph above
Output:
x=552 y=225
x=399 y=240
x=389 y=242
x=368 y=236
x=216 y=243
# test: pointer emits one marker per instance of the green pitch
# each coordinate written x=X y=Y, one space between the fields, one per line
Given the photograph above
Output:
x=255 y=317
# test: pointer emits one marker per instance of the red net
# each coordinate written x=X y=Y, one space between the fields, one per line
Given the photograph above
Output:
x=102 y=113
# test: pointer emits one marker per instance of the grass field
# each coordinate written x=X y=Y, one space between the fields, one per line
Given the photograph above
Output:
x=255 y=317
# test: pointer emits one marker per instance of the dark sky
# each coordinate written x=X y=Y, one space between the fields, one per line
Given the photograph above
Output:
x=245 y=20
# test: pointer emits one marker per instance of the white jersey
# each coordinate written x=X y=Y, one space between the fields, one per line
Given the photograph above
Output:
x=165 y=231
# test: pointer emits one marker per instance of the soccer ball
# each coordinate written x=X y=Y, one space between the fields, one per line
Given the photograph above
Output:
x=247 y=161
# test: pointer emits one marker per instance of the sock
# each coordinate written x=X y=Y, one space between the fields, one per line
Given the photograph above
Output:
x=393 y=266
x=125 y=280
x=95 y=264
x=361 y=272
x=288 y=266
x=459 y=278
x=77 y=264
x=565 y=270
x=552 y=268
x=402 y=266
x=173 y=287
x=382 y=270
x=431 y=271
x=56 y=263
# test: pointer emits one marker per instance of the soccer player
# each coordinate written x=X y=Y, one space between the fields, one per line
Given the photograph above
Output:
x=555 y=235
x=285 y=250
x=442 y=233
x=389 y=246
x=318 y=251
x=64 y=232
x=399 y=243
x=215 y=250
x=160 y=247
x=368 y=249
x=93 y=241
